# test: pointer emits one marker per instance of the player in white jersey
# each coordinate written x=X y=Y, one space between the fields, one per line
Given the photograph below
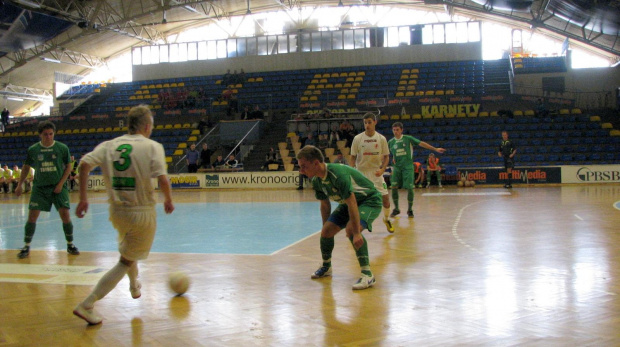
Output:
x=128 y=163
x=370 y=155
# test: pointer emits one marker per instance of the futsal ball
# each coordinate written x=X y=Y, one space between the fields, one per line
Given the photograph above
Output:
x=473 y=183
x=179 y=282
x=467 y=183
x=459 y=183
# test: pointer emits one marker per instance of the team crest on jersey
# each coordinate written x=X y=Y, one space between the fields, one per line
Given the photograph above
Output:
x=53 y=156
x=40 y=157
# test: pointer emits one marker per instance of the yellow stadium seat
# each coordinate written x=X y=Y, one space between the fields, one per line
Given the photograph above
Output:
x=361 y=73
x=61 y=131
x=313 y=98
x=410 y=93
x=575 y=111
x=564 y=111
x=351 y=96
x=450 y=115
x=483 y=114
x=493 y=114
x=517 y=113
x=168 y=159
x=400 y=94
x=395 y=117
x=182 y=145
x=405 y=117
x=416 y=116
x=528 y=113
x=595 y=119
x=384 y=117
x=259 y=79
x=405 y=71
x=342 y=96
x=439 y=92
x=178 y=152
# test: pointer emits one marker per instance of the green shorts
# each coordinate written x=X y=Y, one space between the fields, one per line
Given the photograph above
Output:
x=42 y=198
x=402 y=179
x=340 y=215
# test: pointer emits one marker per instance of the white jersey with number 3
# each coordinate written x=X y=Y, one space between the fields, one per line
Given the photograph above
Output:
x=128 y=163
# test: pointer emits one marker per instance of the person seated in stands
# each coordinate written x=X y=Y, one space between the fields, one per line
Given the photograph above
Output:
x=219 y=162
x=272 y=157
x=74 y=174
x=204 y=124
x=205 y=156
x=181 y=97
x=257 y=113
x=171 y=100
x=231 y=162
x=7 y=176
x=226 y=79
x=15 y=178
x=323 y=142
x=334 y=136
x=309 y=140
x=541 y=110
x=192 y=98
x=245 y=114
x=326 y=113
x=29 y=179
x=339 y=159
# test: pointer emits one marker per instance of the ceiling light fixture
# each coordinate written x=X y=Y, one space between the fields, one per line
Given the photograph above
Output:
x=14 y=99
x=49 y=60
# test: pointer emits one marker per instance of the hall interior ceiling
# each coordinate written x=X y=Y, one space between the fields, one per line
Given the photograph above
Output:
x=41 y=37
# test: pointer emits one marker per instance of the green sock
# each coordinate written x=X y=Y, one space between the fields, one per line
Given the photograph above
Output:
x=395 y=198
x=327 y=246
x=68 y=229
x=409 y=199
x=362 y=256
x=29 y=231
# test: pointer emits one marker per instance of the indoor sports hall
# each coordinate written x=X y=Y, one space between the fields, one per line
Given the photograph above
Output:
x=476 y=266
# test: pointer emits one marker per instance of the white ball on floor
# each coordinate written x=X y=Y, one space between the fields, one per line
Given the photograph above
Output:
x=179 y=282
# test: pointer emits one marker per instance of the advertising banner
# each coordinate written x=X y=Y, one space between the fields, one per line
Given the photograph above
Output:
x=591 y=174
x=186 y=180
x=278 y=179
x=498 y=175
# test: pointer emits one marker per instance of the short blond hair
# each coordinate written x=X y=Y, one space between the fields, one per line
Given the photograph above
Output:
x=311 y=153
x=138 y=117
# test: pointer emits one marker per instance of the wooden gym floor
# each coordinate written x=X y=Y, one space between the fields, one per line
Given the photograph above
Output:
x=533 y=266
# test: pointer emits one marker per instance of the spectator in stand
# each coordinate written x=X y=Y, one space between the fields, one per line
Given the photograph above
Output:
x=204 y=124
x=191 y=158
x=15 y=178
x=272 y=157
x=418 y=172
x=245 y=114
x=205 y=156
x=74 y=172
x=334 y=136
x=340 y=159
x=7 y=176
x=309 y=140
x=325 y=114
x=257 y=113
x=192 y=98
x=29 y=179
x=241 y=78
x=232 y=162
x=323 y=142
x=226 y=94
x=432 y=166
x=227 y=78
x=219 y=162
x=541 y=111
x=5 y=118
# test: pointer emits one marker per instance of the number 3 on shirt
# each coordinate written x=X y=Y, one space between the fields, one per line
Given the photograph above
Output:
x=124 y=162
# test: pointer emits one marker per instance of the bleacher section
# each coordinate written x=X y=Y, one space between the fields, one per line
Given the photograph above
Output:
x=287 y=89
x=174 y=138
x=529 y=65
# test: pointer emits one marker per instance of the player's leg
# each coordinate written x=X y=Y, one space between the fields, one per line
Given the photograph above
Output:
x=438 y=175
x=336 y=222
x=108 y=282
x=61 y=201
x=382 y=188
x=370 y=213
x=396 y=183
x=408 y=184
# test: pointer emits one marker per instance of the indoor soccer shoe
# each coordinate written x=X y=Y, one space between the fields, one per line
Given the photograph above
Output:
x=323 y=271
x=71 y=249
x=24 y=252
x=364 y=282
x=88 y=315
x=388 y=224
x=410 y=214
x=395 y=213
x=135 y=291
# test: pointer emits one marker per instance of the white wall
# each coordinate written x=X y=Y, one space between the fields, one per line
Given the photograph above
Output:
x=312 y=60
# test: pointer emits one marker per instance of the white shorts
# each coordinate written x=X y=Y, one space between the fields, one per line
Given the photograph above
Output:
x=379 y=182
x=136 y=231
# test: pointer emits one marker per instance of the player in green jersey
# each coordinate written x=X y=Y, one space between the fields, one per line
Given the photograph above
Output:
x=401 y=149
x=359 y=205
x=50 y=159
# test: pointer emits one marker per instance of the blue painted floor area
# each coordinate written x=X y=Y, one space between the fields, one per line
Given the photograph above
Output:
x=218 y=228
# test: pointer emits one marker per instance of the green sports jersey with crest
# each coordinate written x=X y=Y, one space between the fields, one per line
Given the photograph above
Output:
x=402 y=151
x=341 y=181
x=48 y=162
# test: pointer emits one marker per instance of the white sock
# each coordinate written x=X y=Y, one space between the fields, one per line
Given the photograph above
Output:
x=106 y=284
x=132 y=273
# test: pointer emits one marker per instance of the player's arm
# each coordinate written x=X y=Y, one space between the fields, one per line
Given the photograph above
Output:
x=430 y=147
x=82 y=207
x=354 y=220
x=352 y=160
x=63 y=179
x=164 y=186
x=514 y=151
x=22 y=178
x=384 y=165
x=326 y=209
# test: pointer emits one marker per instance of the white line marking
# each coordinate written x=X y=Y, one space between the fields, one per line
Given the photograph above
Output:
x=455 y=226
x=51 y=274
x=464 y=194
x=578 y=217
x=294 y=243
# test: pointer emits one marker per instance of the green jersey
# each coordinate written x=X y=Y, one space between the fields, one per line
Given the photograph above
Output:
x=402 y=151
x=48 y=162
x=341 y=181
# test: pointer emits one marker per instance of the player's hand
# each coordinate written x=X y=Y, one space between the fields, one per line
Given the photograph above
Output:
x=81 y=209
x=379 y=173
x=358 y=241
x=168 y=207
x=57 y=189
x=18 y=190
x=441 y=150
